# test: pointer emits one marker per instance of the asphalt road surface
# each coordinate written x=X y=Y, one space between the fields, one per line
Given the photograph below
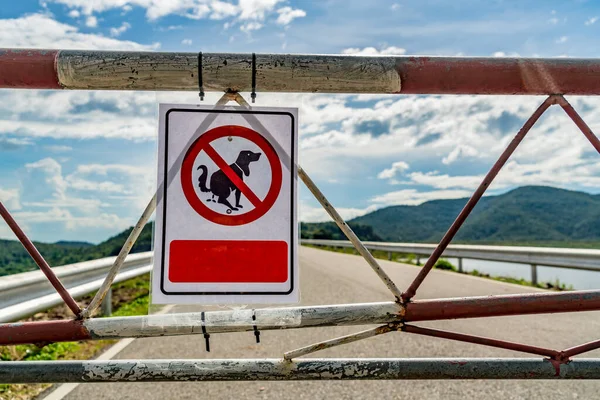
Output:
x=329 y=278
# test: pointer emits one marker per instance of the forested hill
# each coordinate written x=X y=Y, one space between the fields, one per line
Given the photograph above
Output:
x=14 y=258
x=530 y=215
x=527 y=215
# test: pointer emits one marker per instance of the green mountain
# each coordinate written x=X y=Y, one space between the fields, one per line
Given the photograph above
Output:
x=14 y=258
x=534 y=215
x=527 y=215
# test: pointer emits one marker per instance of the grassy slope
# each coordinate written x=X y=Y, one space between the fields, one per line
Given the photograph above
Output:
x=129 y=298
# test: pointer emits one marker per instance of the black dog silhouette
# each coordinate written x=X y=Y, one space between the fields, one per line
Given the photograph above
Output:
x=221 y=186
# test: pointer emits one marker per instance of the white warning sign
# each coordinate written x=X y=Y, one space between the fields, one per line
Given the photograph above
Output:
x=226 y=227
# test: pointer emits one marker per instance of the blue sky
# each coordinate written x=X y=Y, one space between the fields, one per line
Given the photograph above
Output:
x=81 y=165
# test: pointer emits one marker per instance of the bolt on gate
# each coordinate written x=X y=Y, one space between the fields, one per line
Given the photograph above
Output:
x=233 y=73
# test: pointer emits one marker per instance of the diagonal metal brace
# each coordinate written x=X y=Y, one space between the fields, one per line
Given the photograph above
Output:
x=354 y=337
x=128 y=245
x=337 y=218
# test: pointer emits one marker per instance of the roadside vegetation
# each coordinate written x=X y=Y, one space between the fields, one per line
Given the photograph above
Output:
x=129 y=298
x=444 y=264
x=14 y=259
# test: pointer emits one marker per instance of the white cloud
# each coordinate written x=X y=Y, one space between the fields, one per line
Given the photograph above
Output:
x=133 y=128
x=12 y=143
x=132 y=182
x=553 y=21
x=63 y=114
x=58 y=148
x=120 y=30
x=318 y=214
x=413 y=197
x=82 y=198
x=395 y=6
x=591 y=21
x=503 y=54
x=435 y=133
x=10 y=199
x=397 y=167
x=42 y=31
x=562 y=39
x=72 y=222
x=288 y=14
x=444 y=181
x=46 y=180
x=74 y=14
x=256 y=9
x=566 y=169
x=372 y=51
x=244 y=10
x=170 y=28
x=250 y=26
x=91 y=22
x=186 y=42
x=462 y=151
x=221 y=10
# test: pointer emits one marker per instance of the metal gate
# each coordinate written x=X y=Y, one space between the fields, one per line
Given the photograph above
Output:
x=232 y=73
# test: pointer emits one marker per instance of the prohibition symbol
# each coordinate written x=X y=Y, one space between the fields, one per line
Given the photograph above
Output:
x=227 y=184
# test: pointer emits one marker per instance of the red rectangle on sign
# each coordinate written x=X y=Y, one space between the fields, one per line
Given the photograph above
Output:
x=228 y=261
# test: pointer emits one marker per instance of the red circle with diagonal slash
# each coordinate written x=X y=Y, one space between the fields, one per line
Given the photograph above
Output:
x=203 y=144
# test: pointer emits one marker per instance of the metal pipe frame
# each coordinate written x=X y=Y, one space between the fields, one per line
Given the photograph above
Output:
x=122 y=70
x=501 y=344
x=39 y=260
x=120 y=260
x=39 y=69
x=191 y=323
x=299 y=317
x=466 y=211
x=304 y=369
x=313 y=348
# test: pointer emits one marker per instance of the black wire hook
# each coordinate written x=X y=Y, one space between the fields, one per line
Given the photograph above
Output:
x=206 y=334
x=200 y=80
x=253 y=94
x=256 y=331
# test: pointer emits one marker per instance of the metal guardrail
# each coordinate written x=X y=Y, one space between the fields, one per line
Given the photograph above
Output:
x=581 y=259
x=22 y=295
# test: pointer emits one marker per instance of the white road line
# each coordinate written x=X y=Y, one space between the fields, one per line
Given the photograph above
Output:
x=63 y=390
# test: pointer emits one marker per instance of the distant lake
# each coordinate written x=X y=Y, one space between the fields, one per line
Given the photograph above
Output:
x=578 y=279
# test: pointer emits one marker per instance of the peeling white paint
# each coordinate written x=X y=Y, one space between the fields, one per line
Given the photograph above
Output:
x=222 y=72
x=241 y=320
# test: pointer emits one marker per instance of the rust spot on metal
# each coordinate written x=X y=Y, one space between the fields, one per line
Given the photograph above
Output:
x=43 y=332
x=556 y=364
x=28 y=69
x=451 y=75
x=494 y=306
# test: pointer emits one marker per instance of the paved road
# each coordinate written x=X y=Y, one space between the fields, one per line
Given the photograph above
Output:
x=329 y=278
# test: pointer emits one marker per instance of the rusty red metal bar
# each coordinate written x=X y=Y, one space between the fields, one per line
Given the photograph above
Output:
x=39 y=260
x=585 y=129
x=496 y=306
x=357 y=314
x=502 y=344
x=583 y=348
x=121 y=70
x=454 y=75
x=33 y=69
x=437 y=253
x=43 y=332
